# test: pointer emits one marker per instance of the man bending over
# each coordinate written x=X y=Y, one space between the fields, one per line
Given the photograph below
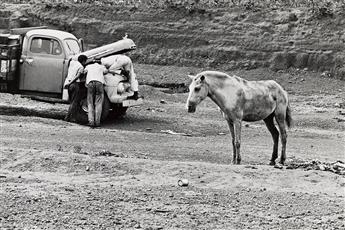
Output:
x=95 y=92
x=75 y=88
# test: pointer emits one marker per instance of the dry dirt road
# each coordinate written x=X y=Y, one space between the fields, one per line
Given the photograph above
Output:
x=59 y=175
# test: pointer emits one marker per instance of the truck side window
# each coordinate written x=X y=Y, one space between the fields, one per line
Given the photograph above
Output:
x=56 y=48
x=45 y=46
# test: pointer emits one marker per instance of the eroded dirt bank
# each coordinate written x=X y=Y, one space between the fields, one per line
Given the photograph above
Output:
x=222 y=36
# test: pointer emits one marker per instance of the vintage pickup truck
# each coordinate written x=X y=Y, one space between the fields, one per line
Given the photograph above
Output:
x=34 y=61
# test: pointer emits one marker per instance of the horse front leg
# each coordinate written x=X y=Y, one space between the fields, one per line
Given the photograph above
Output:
x=237 y=132
x=232 y=132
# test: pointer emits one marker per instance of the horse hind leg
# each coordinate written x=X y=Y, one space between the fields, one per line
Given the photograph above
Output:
x=283 y=135
x=275 y=135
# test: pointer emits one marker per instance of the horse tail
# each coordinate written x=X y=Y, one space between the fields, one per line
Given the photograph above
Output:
x=288 y=117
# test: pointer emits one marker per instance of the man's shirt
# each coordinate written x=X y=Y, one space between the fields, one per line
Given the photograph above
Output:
x=95 y=73
x=75 y=69
x=116 y=63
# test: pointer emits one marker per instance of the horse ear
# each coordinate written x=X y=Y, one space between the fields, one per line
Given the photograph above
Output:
x=191 y=76
x=202 y=78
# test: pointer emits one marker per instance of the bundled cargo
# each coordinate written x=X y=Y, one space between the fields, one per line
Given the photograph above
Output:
x=118 y=47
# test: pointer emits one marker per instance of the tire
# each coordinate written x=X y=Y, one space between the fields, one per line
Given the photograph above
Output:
x=118 y=111
x=105 y=109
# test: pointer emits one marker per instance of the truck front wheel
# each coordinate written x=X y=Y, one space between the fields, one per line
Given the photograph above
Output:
x=118 y=110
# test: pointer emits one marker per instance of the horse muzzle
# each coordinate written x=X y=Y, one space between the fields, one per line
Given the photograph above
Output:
x=191 y=108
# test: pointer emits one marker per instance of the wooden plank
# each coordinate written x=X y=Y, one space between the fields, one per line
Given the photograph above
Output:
x=131 y=103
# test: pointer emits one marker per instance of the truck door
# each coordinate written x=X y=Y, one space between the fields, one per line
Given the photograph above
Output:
x=42 y=66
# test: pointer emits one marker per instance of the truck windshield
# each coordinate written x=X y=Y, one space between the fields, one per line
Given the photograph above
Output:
x=72 y=46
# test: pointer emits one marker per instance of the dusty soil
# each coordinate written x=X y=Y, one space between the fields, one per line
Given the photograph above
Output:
x=124 y=175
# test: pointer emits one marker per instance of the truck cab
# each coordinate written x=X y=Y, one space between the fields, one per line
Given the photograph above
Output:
x=44 y=60
x=35 y=60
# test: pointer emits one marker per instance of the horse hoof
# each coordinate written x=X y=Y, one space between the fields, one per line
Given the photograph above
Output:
x=272 y=163
x=281 y=162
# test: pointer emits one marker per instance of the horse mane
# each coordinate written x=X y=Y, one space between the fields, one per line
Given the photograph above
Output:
x=221 y=76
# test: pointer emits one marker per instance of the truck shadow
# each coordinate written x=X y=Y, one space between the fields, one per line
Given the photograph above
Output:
x=137 y=122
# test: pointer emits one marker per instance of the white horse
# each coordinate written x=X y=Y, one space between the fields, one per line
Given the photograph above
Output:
x=242 y=100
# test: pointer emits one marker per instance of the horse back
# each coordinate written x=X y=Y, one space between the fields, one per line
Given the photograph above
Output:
x=278 y=91
x=269 y=87
x=261 y=98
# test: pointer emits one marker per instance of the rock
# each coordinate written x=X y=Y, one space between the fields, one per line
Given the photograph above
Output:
x=265 y=25
x=282 y=60
x=250 y=167
x=160 y=110
x=278 y=166
x=290 y=167
x=326 y=74
x=108 y=153
x=339 y=165
x=76 y=149
x=321 y=167
x=69 y=189
x=59 y=147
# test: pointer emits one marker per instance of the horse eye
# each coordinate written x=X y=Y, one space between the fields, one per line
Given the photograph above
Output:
x=197 y=89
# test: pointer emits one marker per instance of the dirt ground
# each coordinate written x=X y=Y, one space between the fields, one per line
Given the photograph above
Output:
x=124 y=175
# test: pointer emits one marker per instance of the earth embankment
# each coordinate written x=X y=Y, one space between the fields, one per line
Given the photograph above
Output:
x=223 y=37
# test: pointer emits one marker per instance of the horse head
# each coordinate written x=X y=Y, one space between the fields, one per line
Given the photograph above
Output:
x=198 y=91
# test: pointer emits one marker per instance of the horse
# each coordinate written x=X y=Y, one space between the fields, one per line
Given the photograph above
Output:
x=241 y=100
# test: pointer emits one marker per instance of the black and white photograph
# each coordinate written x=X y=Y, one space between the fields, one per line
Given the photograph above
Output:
x=172 y=114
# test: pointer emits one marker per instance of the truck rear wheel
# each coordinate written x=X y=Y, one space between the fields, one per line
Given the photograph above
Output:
x=105 y=109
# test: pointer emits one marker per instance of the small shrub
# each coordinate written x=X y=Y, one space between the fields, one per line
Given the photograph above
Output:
x=324 y=10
